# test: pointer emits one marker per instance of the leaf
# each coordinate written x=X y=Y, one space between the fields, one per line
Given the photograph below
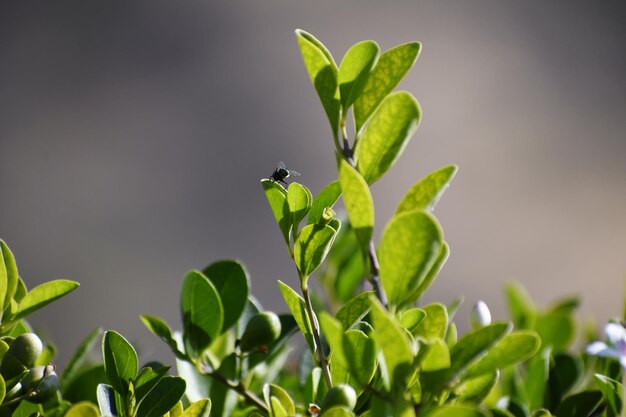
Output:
x=338 y=411
x=42 y=295
x=386 y=135
x=202 y=313
x=298 y=309
x=521 y=307
x=161 y=330
x=425 y=194
x=391 y=338
x=3 y=389
x=82 y=409
x=444 y=253
x=412 y=318
x=358 y=202
x=557 y=330
x=455 y=411
x=80 y=357
x=435 y=323
x=392 y=66
x=565 y=372
x=515 y=347
x=409 y=246
x=354 y=310
x=355 y=69
x=277 y=199
x=476 y=389
x=299 y=199
x=312 y=246
x=9 y=277
x=583 y=404
x=146 y=380
x=84 y=385
x=536 y=379
x=274 y=391
x=167 y=392
x=360 y=354
x=323 y=73
x=106 y=400
x=120 y=361
x=326 y=198
x=200 y=408
x=437 y=357
x=232 y=283
x=611 y=390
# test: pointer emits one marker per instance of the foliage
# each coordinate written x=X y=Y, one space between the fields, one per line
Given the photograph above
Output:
x=371 y=346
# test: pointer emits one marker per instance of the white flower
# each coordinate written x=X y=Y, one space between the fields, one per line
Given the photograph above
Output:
x=616 y=347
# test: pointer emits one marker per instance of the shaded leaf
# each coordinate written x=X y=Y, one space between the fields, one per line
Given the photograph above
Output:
x=120 y=361
x=354 y=310
x=200 y=408
x=326 y=198
x=444 y=253
x=355 y=69
x=277 y=199
x=78 y=359
x=299 y=199
x=298 y=309
x=232 y=283
x=435 y=323
x=312 y=246
x=82 y=409
x=167 y=392
x=358 y=202
x=160 y=329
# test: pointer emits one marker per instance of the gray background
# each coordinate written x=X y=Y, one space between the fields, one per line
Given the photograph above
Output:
x=133 y=136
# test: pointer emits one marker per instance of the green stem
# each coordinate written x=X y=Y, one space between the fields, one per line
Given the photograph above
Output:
x=323 y=362
x=623 y=410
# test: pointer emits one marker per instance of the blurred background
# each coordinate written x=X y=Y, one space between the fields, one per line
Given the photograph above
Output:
x=133 y=136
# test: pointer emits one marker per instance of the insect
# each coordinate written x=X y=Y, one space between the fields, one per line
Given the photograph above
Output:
x=281 y=173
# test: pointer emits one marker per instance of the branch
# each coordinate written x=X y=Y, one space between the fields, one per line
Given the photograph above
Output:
x=235 y=386
x=323 y=362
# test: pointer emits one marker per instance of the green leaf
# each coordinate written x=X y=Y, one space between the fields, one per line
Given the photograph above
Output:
x=392 y=339
x=106 y=400
x=611 y=390
x=8 y=276
x=444 y=253
x=435 y=323
x=42 y=295
x=120 y=361
x=455 y=411
x=583 y=404
x=167 y=392
x=85 y=384
x=515 y=347
x=161 y=330
x=277 y=198
x=387 y=74
x=338 y=411
x=299 y=198
x=409 y=247
x=437 y=357
x=82 y=409
x=476 y=389
x=557 y=330
x=354 y=310
x=326 y=198
x=386 y=135
x=231 y=281
x=541 y=413
x=565 y=372
x=536 y=379
x=200 y=408
x=146 y=380
x=78 y=359
x=411 y=318
x=360 y=354
x=274 y=391
x=425 y=194
x=3 y=389
x=202 y=313
x=298 y=309
x=312 y=246
x=323 y=73
x=355 y=69
x=521 y=307
x=358 y=202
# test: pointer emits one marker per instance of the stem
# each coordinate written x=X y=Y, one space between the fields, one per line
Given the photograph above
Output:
x=374 y=278
x=235 y=386
x=316 y=335
x=623 y=410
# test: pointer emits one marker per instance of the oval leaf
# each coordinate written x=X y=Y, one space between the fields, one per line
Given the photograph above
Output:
x=299 y=199
x=409 y=246
x=358 y=202
x=354 y=310
x=202 y=312
x=326 y=198
x=230 y=278
x=387 y=74
x=312 y=246
x=425 y=194
x=167 y=392
x=42 y=295
x=298 y=309
x=9 y=276
x=355 y=69
x=82 y=409
x=386 y=135
x=277 y=198
x=201 y=408
x=120 y=361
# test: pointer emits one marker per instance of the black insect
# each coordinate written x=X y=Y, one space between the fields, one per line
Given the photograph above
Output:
x=281 y=173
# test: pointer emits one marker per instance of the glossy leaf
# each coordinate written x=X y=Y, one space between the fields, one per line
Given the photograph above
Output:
x=3 y=389
x=557 y=330
x=611 y=390
x=232 y=283
x=160 y=329
x=355 y=69
x=521 y=307
x=515 y=347
x=432 y=274
x=565 y=372
x=425 y=194
x=299 y=199
x=277 y=199
x=455 y=411
x=323 y=74
x=436 y=357
x=78 y=359
x=409 y=246
x=167 y=392
x=338 y=411
x=9 y=277
x=146 y=380
x=477 y=388
x=42 y=295
x=326 y=198
x=360 y=354
x=391 y=338
x=583 y=404
x=435 y=323
x=536 y=379
x=200 y=408
x=106 y=400
x=358 y=202
x=120 y=361
x=354 y=310
x=296 y=305
x=412 y=318
x=274 y=391
x=82 y=409
x=312 y=246
x=202 y=312
x=392 y=66
x=387 y=133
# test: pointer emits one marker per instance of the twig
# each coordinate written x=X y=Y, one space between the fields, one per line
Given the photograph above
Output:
x=323 y=362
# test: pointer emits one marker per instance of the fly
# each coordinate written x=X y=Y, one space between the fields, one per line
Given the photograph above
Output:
x=281 y=173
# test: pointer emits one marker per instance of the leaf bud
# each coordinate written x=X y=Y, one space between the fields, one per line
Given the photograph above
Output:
x=480 y=315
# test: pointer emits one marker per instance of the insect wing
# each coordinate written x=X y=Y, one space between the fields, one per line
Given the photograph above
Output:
x=281 y=165
x=293 y=173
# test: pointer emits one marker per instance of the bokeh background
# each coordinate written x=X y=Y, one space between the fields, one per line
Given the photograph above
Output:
x=133 y=136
